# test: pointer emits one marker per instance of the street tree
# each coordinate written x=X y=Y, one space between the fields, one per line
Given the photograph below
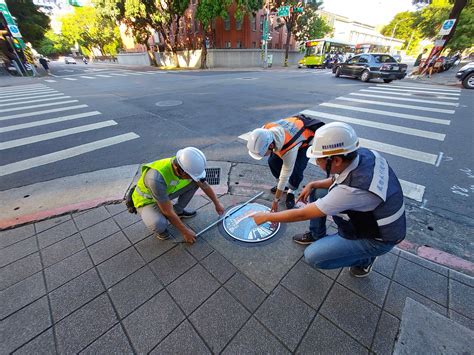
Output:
x=464 y=36
x=311 y=25
x=89 y=30
x=404 y=26
x=32 y=23
x=53 y=45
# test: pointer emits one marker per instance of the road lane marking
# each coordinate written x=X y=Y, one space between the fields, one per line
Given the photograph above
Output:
x=35 y=93
x=64 y=154
x=24 y=92
x=71 y=79
x=413 y=90
x=129 y=73
x=388 y=113
x=103 y=75
x=36 y=106
x=34 y=97
x=422 y=88
x=399 y=151
x=48 y=121
x=56 y=134
x=36 y=113
x=86 y=77
x=378 y=125
x=406 y=99
x=410 y=190
x=408 y=94
x=117 y=74
x=391 y=104
x=33 y=101
x=50 y=81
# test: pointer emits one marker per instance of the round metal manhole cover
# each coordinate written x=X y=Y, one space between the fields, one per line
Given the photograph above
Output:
x=240 y=226
x=169 y=103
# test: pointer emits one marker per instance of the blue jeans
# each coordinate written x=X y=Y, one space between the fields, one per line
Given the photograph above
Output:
x=334 y=251
x=275 y=163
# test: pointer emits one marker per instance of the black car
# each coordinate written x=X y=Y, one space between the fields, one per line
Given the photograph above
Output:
x=372 y=66
x=466 y=75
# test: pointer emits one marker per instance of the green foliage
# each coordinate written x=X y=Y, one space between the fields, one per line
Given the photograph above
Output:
x=310 y=25
x=404 y=24
x=86 y=28
x=464 y=36
x=53 y=45
x=208 y=10
x=33 y=23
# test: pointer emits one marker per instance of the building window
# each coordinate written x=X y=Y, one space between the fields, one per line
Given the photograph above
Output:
x=262 y=20
x=254 y=44
x=253 y=23
x=269 y=45
x=238 y=24
x=228 y=44
x=227 y=22
x=239 y=44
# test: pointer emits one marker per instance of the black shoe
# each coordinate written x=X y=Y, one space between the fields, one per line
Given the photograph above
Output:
x=165 y=235
x=305 y=238
x=273 y=190
x=290 y=201
x=359 y=271
x=187 y=214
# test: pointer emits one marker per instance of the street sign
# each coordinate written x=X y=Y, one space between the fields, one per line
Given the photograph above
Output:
x=14 y=31
x=6 y=13
x=439 y=42
x=447 y=27
x=284 y=11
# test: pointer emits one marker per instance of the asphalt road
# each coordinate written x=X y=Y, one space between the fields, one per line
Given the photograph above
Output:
x=109 y=116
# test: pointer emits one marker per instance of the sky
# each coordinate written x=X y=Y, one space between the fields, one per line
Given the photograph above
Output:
x=372 y=12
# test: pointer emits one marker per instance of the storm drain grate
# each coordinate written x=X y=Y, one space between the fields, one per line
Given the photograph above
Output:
x=213 y=176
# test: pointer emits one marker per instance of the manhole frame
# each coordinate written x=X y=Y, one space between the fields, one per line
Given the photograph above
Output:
x=233 y=209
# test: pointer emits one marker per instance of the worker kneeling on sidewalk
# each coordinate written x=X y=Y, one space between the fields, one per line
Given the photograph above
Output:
x=285 y=142
x=167 y=179
x=363 y=195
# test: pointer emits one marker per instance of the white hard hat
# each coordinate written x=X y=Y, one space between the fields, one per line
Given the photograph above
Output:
x=258 y=142
x=193 y=162
x=334 y=138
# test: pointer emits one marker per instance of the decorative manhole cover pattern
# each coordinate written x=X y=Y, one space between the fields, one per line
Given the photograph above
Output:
x=213 y=176
x=169 y=103
x=242 y=227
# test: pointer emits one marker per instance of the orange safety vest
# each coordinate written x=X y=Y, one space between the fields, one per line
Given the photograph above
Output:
x=291 y=125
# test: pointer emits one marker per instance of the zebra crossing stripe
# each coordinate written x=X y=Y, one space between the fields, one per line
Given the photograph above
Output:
x=50 y=81
x=65 y=154
x=22 y=87
x=130 y=73
x=412 y=190
x=24 y=92
x=87 y=77
x=103 y=75
x=33 y=101
x=392 y=89
x=408 y=94
x=406 y=99
x=36 y=113
x=56 y=134
x=36 y=106
x=71 y=79
x=383 y=126
x=48 y=121
x=399 y=151
x=387 y=113
x=34 y=97
x=34 y=93
x=117 y=74
x=391 y=104
x=427 y=88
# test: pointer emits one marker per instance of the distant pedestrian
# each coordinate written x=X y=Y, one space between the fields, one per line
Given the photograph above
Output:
x=420 y=56
x=44 y=64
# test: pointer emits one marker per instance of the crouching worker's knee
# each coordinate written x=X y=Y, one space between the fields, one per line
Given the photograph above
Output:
x=316 y=260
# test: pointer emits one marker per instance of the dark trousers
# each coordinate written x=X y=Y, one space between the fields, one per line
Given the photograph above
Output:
x=275 y=163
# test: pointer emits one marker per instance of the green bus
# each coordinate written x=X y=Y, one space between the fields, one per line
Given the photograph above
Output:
x=317 y=50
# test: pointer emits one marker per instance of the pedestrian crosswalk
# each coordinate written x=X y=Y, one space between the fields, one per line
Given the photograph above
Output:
x=399 y=120
x=43 y=109
x=102 y=74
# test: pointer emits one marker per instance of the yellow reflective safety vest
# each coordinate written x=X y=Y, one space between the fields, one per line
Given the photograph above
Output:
x=142 y=196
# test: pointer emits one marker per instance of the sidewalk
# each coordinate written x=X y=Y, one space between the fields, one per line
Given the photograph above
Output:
x=443 y=78
x=98 y=281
